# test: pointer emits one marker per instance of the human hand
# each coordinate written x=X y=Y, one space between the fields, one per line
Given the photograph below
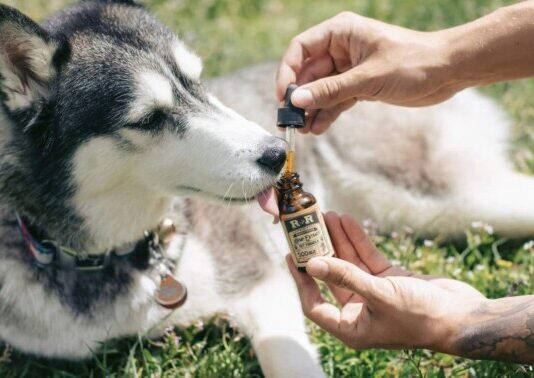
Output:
x=381 y=306
x=350 y=58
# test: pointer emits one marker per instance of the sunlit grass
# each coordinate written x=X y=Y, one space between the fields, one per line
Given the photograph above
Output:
x=230 y=34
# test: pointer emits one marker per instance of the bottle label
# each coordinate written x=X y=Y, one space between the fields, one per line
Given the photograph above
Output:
x=307 y=235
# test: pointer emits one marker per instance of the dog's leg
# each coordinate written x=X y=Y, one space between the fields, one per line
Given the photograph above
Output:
x=505 y=201
x=272 y=317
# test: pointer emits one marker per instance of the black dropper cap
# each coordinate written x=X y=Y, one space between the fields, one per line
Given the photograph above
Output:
x=289 y=115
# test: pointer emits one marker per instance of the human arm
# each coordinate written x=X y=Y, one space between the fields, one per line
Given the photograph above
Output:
x=350 y=58
x=381 y=306
x=499 y=329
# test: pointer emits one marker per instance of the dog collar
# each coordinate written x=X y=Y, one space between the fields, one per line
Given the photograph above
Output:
x=171 y=294
x=47 y=252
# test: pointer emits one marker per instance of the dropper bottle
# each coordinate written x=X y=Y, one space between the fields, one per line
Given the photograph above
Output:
x=300 y=215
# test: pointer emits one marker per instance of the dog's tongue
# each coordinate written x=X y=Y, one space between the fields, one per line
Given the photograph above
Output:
x=269 y=203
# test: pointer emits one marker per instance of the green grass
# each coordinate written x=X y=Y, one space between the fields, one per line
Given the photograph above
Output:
x=230 y=34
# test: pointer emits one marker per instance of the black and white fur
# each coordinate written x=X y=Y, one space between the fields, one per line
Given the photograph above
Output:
x=106 y=129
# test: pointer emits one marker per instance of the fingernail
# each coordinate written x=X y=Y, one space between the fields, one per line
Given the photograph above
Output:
x=302 y=98
x=317 y=268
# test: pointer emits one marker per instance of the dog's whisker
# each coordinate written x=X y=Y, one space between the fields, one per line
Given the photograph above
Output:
x=228 y=191
x=226 y=194
x=252 y=187
x=244 y=191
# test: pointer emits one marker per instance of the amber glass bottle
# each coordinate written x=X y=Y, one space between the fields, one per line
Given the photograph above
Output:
x=302 y=221
x=300 y=215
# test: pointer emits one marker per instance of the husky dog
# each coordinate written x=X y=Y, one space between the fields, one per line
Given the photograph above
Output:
x=106 y=129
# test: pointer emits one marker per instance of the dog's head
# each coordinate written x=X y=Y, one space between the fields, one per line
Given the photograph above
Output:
x=109 y=97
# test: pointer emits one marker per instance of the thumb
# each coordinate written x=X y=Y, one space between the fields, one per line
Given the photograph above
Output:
x=329 y=91
x=341 y=273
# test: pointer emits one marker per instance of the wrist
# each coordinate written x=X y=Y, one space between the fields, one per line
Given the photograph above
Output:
x=455 y=322
x=462 y=67
x=444 y=64
x=466 y=47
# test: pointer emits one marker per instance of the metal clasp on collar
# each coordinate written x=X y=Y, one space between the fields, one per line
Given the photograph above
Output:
x=82 y=261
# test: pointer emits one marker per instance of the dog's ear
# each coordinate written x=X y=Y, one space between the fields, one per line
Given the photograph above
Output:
x=26 y=60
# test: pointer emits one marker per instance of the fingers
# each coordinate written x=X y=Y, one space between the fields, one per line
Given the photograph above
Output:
x=343 y=250
x=285 y=76
x=345 y=275
x=318 y=121
x=341 y=242
x=330 y=91
x=367 y=251
x=310 y=118
x=312 y=43
x=305 y=284
x=326 y=117
x=325 y=315
x=316 y=69
x=334 y=42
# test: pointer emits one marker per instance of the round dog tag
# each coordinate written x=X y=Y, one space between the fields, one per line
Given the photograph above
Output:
x=171 y=293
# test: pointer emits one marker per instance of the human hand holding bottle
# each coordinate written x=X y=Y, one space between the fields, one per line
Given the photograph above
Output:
x=381 y=306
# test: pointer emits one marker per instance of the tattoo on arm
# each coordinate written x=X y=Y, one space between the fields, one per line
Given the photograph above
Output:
x=500 y=329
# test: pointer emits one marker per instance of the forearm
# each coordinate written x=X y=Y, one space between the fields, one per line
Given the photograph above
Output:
x=500 y=329
x=497 y=47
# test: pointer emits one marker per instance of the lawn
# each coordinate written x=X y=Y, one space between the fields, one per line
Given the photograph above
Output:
x=230 y=34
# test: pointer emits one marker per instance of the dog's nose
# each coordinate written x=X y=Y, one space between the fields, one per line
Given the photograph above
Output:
x=273 y=159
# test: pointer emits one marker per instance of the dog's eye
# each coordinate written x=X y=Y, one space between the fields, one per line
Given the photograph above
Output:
x=154 y=118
